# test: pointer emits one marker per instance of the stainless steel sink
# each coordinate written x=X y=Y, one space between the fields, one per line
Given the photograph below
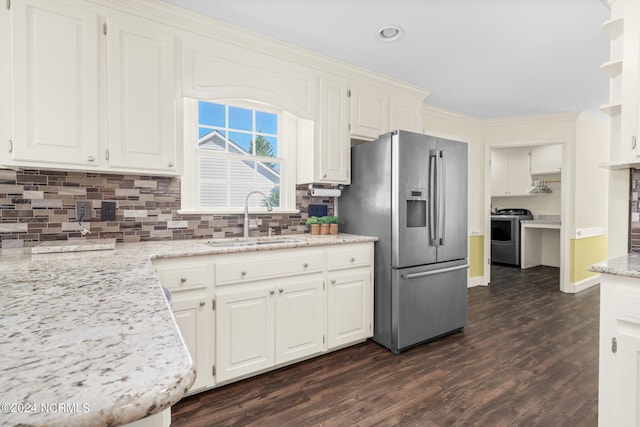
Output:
x=234 y=243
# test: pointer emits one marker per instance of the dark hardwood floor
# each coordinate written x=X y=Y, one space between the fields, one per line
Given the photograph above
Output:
x=528 y=357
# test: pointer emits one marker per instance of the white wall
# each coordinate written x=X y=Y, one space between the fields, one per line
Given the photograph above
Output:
x=450 y=125
x=591 y=192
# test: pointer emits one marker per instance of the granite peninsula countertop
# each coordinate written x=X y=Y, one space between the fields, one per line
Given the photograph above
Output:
x=627 y=265
x=88 y=339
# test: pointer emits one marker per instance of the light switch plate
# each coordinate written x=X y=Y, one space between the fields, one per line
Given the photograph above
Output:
x=108 y=211
x=83 y=210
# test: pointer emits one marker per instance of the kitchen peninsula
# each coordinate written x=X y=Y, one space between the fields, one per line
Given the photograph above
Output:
x=92 y=333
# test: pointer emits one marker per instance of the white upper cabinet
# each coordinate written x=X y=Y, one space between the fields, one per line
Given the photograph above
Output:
x=369 y=111
x=55 y=87
x=510 y=172
x=546 y=159
x=325 y=157
x=141 y=97
x=406 y=114
x=93 y=90
x=623 y=69
x=376 y=110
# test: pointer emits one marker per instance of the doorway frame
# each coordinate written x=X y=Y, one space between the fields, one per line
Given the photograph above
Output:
x=566 y=183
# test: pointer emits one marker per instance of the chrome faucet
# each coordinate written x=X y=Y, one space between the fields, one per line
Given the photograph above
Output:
x=246 y=209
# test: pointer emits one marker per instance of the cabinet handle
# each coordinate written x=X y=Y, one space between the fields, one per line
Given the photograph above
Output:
x=333 y=282
x=633 y=141
x=281 y=290
x=91 y=158
x=202 y=303
x=352 y=259
x=271 y=292
x=244 y=273
x=183 y=279
x=305 y=265
x=614 y=345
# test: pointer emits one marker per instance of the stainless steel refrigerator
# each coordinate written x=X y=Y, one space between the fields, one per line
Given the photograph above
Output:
x=410 y=190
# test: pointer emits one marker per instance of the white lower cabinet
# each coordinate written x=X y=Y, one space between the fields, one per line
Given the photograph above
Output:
x=190 y=281
x=349 y=308
x=193 y=316
x=619 y=370
x=268 y=323
x=241 y=314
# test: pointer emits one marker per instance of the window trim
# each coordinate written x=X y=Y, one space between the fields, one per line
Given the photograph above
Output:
x=189 y=184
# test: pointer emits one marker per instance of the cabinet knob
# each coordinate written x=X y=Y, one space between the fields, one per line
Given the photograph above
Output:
x=183 y=279
x=202 y=303
x=281 y=290
x=324 y=176
x=243 y=272
x=352 y=259
x=271 y=292
x=333 y=282
x=170 y=164
x=305 y=265
x=91 y=158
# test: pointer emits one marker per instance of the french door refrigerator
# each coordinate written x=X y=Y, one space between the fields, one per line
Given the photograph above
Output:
x=410 y=190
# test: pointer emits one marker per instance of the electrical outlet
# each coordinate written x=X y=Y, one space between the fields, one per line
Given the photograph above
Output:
x=83 y=210
x=108 y=211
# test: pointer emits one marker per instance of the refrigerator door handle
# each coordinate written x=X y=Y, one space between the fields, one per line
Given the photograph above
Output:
x=433 y=272
x=442 y=194
x=433 y=238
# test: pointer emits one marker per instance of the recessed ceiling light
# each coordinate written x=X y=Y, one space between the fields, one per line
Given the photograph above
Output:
x=390 y=33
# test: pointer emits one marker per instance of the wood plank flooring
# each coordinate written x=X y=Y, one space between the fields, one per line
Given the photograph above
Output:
x=528 y=357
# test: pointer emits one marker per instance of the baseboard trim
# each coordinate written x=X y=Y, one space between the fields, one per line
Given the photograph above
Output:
x=475 y=281
x=587 y=283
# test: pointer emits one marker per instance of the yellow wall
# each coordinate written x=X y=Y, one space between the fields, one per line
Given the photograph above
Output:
x=476 y=256
x=585 y=252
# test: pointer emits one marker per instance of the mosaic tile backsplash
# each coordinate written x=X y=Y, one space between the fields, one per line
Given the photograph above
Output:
x=40 y=205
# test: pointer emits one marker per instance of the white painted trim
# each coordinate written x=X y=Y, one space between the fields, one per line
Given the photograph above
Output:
x=443 y=113
x=523 y=120
x=476 y=281
x=589 y=282
x=583 y=233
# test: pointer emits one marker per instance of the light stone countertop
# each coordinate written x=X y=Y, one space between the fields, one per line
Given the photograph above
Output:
x=627 y=265
x=92 y=331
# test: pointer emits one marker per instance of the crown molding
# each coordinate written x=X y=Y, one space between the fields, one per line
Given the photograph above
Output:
x=204 y=26
x=446 y=114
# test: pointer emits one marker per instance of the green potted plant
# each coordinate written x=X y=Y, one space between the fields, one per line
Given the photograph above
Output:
x=324 y=225
x=314 y=224
x=333 y=224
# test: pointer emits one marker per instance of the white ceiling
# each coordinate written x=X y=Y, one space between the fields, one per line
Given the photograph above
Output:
x=486 y=58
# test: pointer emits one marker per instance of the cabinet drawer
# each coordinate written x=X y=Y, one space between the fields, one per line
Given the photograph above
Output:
x=628 y=305
x=260 y=268
x=179 y=275
x=349 y=257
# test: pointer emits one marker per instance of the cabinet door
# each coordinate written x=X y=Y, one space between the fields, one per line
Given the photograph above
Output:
x=510 y=175
x=55 y=89
x=369 y=112
x=499 y=173
x=546 y=159
x=627 y=379
x=630 y=121
x=141 y=97
x=406 y=114
x=244 y=332
x=333 y=145
x=299 y=319
x=349 y=308
x=193 y=314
